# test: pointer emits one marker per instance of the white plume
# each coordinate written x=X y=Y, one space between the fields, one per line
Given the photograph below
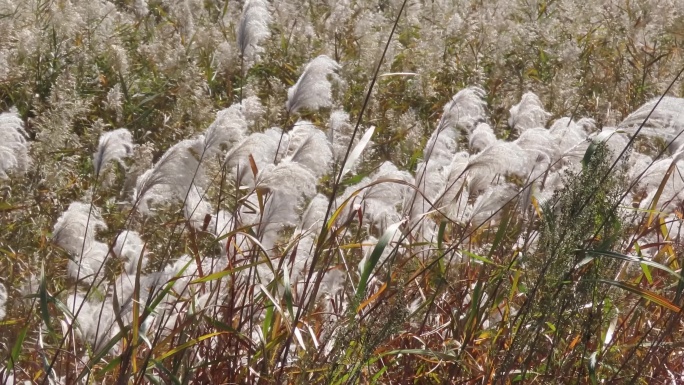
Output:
x=313 y=89
x=499 y=159
x=228 y=129
x=312 y=219
x=14 y=156
x=129 y=247
x=253 y=28
x=339 y=134
x=95 y=323
x=666 y=121
x=380 y=202
x=481 y=137
x=86 y=267
x=113 y=145
x=309 y=147
x=75 y=229
x=288 y=177
x=465 y=110
x=529 y=113
x=197 y=207
x=262 y=147
x=171 y=177
x=571 y=137
x=492 y=200
x=3 y=301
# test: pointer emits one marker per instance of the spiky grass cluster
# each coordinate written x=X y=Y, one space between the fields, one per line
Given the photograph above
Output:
x=334 y=192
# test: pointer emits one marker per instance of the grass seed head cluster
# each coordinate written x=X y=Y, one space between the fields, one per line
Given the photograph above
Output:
x=340 y=191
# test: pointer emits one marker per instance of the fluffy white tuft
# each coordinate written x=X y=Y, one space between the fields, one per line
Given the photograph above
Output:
x=666 y=121
x=465 y=110
x=499 y=159
x=309 y=147
x=312 y=219
x=196 y=207
x=571 y=137
x=88 y=266
x=529 y=113
x=481 y=137
x=14 y=156
x=262 y=147
x=313 y=90
x=171 y=177
x=288 y=177
x=114 y=145
x=3 y=301
x=253 y=28
x=339 y=134
x=75 y=229
x=228 y=129
x=129 y=247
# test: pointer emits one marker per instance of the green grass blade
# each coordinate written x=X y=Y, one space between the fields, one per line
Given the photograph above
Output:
x=375 y=257
x=16 y=349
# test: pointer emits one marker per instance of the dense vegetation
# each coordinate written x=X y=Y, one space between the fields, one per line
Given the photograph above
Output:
x=324 y=191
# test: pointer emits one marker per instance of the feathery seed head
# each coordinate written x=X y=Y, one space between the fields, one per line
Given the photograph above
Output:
x=313 y=90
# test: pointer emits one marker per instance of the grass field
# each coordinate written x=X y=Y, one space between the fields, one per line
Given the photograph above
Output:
x=341 y=191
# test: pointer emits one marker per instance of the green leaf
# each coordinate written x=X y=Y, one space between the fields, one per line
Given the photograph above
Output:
x=645 y=294
x=627 y=258
x=43 y=300
x=599 y=139
x=375 y=257
x=480 y=258
x=101 y=353
x=220 y=274
x=186 y=345
x=16 y=349
x=423 y=352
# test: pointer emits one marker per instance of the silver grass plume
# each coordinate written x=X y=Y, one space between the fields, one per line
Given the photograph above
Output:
x=491 y=201
x=500 y=158
x=339 y=134
x=465 y=110
x=571 y=137
x=228 y=129
x=280 y=210
x=171 y=177
x=381 y=202
x=666 y=121
x=312 y=219
x=482 y=137
x=253 y=28
x=14 y=156
x=614 y=139
x=529 y=113
x=540 y=148
x=448 y=186
x=75 y=229
x=129 y=247
x=86 y=266
x=95 y=322
x=288 y=177
x=313 y=90
x=262 y=147
x=113 y=145
x=3 y=301
x=289 y=185
x=309 y=147
x=197 y=208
